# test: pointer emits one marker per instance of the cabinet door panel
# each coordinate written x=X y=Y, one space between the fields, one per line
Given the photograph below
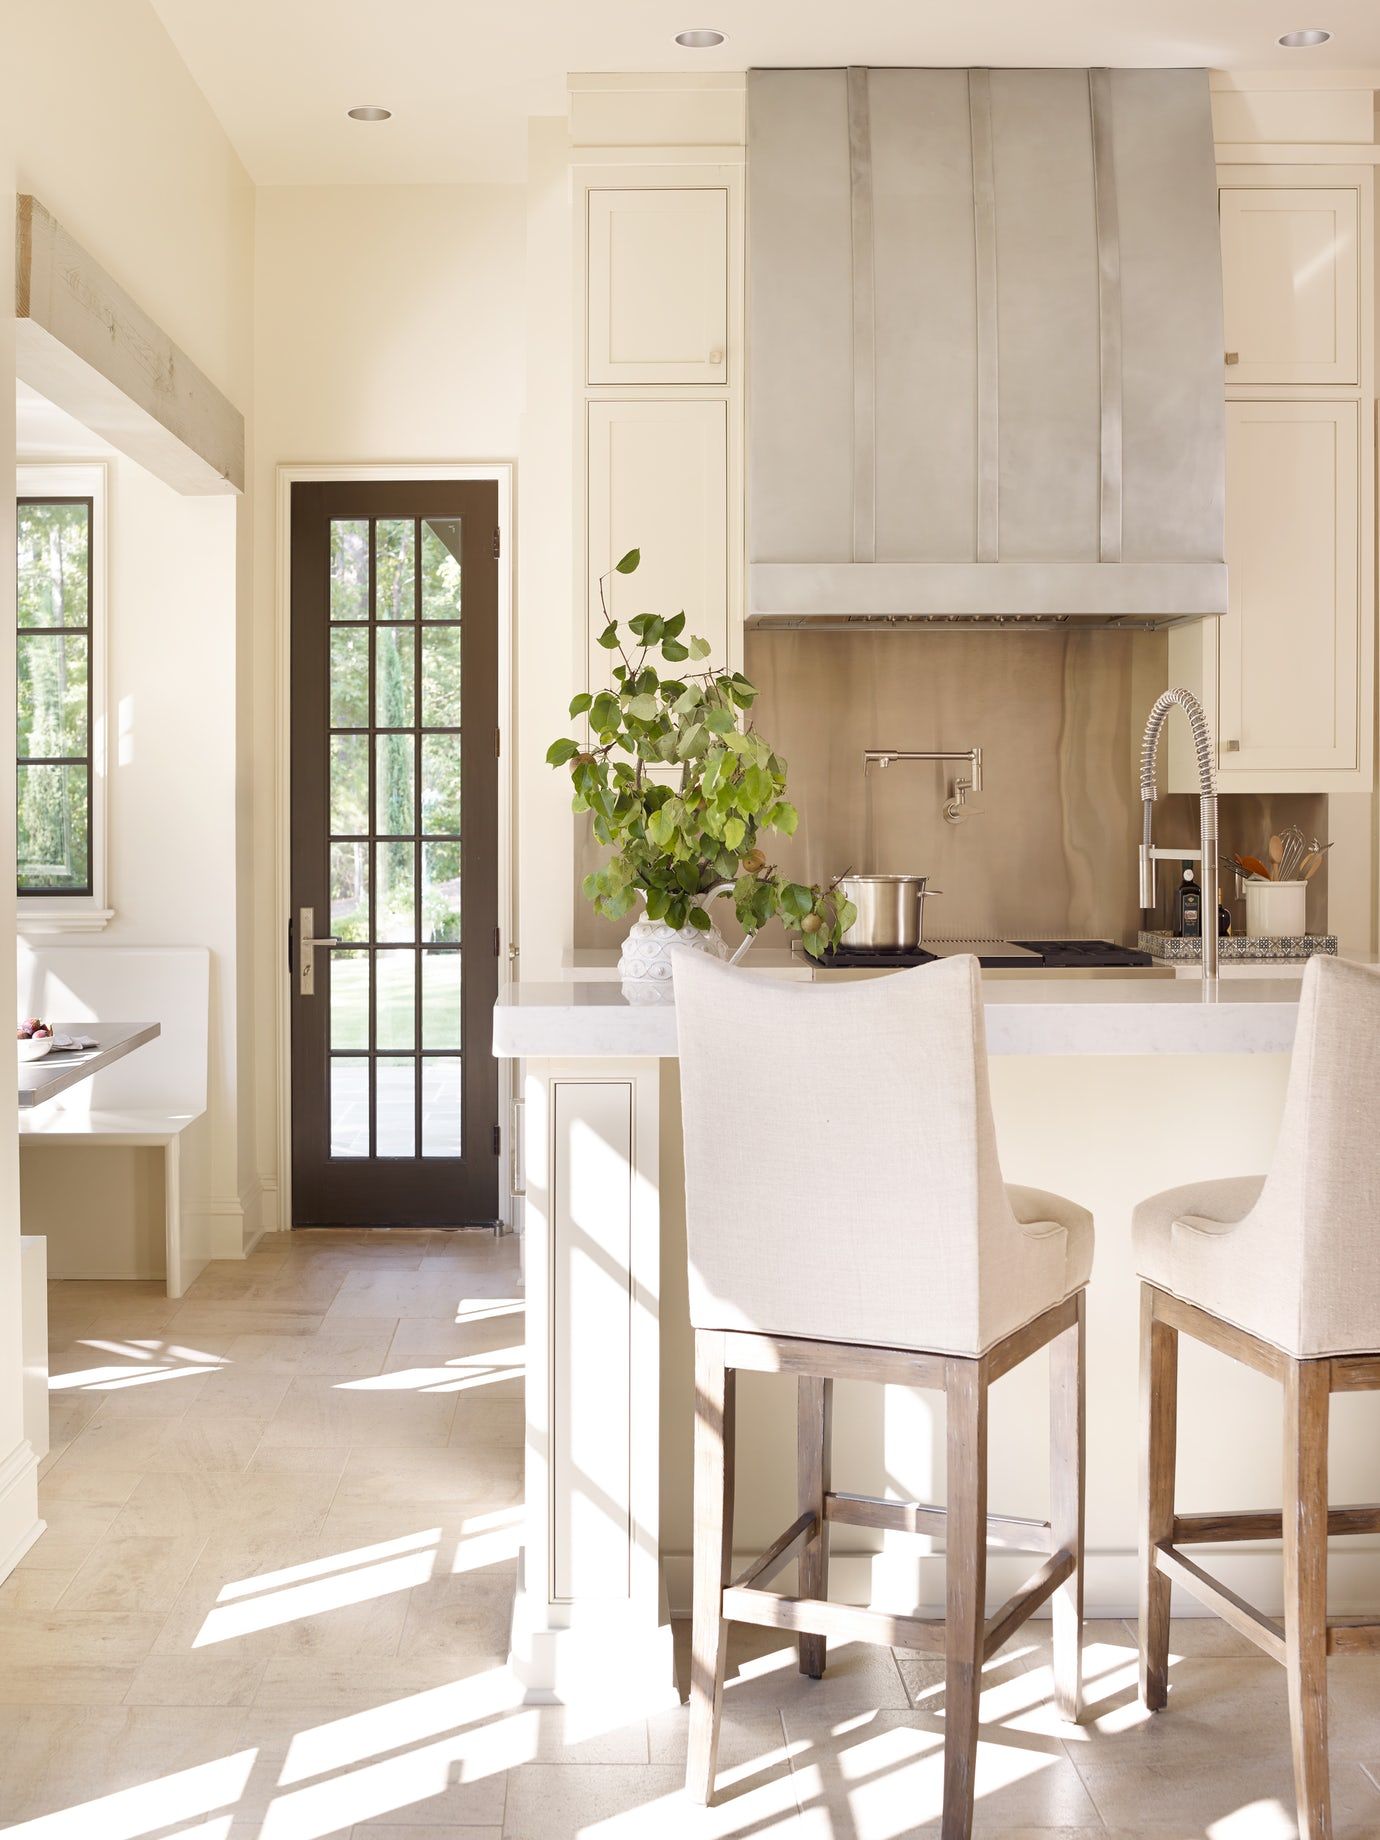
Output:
x=658 y=286
x=1290 y=284
x=658 y=481
x=1290 y=639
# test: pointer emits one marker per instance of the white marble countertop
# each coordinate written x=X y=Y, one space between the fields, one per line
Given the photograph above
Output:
x=1043 y=1014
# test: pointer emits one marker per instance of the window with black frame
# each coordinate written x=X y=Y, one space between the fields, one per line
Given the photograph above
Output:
x=54 y=673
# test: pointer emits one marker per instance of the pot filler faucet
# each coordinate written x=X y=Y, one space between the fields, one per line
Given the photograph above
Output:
x=1206 y=854
x=953 y=809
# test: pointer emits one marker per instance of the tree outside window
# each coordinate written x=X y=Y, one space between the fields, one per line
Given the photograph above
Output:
x=54 y=645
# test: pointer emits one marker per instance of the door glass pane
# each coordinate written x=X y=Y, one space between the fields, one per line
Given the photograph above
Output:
x=349 y=678
x=441 y=893
x=440 y=784
x=349 y=1106
x=54 y=828
x=350 y=890
x=394 y=815
x=394 y=682
x=395 y=569
x=52 y=695
x=397 y=891
x=396 y=1119
x=349 y=568
x=54 y=565
x=395 y=1021
x=441 y=677
x=349 y=785
x=349 y=974
x=440 y=1107
x=440 y=999
x=440 y=568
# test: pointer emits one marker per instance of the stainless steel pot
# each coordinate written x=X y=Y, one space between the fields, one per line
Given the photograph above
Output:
x=891 y=911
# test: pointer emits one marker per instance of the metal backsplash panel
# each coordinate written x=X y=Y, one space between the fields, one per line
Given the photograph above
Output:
x=1051 y=846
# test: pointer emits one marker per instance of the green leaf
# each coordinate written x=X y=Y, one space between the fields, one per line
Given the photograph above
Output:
x=721 y=721
x=629 y=562
x=675 y=626
x=797 y=901
x=608 y=638
x=814 y=943
x=643 y=708
x=699 y=919
x=603 y=717
x=783 y=817
x=689 y=699
x=673 y=651
x=734 y=832
x=579 y=704
x=657 y=902
x=700 y=648
x=561 y=751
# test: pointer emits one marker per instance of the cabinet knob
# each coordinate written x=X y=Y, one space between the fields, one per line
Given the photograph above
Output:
x=716 y=356
x=1231 y=747
x=1232 y=357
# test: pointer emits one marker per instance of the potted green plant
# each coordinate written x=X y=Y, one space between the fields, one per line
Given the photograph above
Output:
x=680 y=789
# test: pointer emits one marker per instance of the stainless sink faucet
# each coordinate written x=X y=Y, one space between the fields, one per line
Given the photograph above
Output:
x=953 y=809
x=1207 y=816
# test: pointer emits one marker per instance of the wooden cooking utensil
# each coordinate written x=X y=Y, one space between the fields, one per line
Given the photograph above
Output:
x=1312 y=865
x=1255 y=866
x=1276 y=854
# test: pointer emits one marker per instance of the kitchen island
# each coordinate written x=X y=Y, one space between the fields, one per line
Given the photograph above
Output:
x=1104 y=1089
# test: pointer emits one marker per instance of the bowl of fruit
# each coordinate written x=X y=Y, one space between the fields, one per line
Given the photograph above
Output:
x=35 y=1039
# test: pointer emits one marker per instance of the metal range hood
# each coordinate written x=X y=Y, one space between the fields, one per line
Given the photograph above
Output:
x=985 y=377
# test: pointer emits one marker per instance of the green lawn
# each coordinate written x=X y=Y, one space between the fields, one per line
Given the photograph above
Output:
x=440 y=1000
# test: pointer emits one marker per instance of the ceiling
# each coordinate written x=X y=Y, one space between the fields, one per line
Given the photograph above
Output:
x=462 y=76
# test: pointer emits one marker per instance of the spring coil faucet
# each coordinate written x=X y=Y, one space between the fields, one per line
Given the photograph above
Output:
x=1206 y=754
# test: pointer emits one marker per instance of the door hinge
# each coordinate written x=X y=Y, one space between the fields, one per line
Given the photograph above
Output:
x=498 y=542
x=498 y=1140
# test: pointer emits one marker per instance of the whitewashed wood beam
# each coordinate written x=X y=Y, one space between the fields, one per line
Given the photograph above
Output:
x=86 y=346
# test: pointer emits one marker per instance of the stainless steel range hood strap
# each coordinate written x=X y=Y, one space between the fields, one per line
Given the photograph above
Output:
x=1109 y=307
x=864 y=320
x=985 y=279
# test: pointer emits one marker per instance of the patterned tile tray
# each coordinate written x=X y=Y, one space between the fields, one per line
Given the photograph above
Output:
x=1189 y=951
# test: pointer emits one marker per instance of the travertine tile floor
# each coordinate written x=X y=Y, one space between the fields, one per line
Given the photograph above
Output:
x=273 y=1598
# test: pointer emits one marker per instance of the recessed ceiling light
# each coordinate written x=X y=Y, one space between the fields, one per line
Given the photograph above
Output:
x=369 y=111
x=700 y=38
x=1304 y=40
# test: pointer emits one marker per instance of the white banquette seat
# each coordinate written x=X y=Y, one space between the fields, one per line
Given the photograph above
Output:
x=154 y=1096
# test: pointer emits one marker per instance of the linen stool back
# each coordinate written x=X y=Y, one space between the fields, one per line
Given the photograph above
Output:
x=841 y=1170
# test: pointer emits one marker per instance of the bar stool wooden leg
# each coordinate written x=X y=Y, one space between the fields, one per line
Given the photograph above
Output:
x=1306 y=1400
x=814 y=1413
x=713 y=1547
x=965 y=1387
x=1159 y=1399
x=1067 y=1428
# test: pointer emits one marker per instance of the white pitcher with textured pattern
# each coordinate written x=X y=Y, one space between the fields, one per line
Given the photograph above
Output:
x=646 y=955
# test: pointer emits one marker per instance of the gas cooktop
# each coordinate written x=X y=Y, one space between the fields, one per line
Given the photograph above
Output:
x=997 y=955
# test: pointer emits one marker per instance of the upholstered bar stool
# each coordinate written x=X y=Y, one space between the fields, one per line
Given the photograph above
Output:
x=1283 y=1273
x=846 y=1219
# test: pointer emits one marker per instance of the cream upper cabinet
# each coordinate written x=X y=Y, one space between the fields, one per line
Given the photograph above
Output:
x=1291 y=284
x=657 y=287
x=658 y=481
x=1290 y=644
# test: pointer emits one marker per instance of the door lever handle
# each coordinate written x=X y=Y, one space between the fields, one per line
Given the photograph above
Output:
x=332 y=941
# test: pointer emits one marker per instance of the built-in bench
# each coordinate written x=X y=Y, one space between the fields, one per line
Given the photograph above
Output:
x=154 y=1097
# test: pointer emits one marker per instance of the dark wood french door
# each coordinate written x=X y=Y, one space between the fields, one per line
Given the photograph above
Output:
x=393 y=934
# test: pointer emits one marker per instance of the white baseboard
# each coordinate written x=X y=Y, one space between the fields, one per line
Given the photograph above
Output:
x=912 y=1585
x=20 y=1525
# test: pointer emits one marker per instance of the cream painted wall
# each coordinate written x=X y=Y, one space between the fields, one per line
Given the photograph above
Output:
x=121 y=145
x=388 y=327
x=19 y=1522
